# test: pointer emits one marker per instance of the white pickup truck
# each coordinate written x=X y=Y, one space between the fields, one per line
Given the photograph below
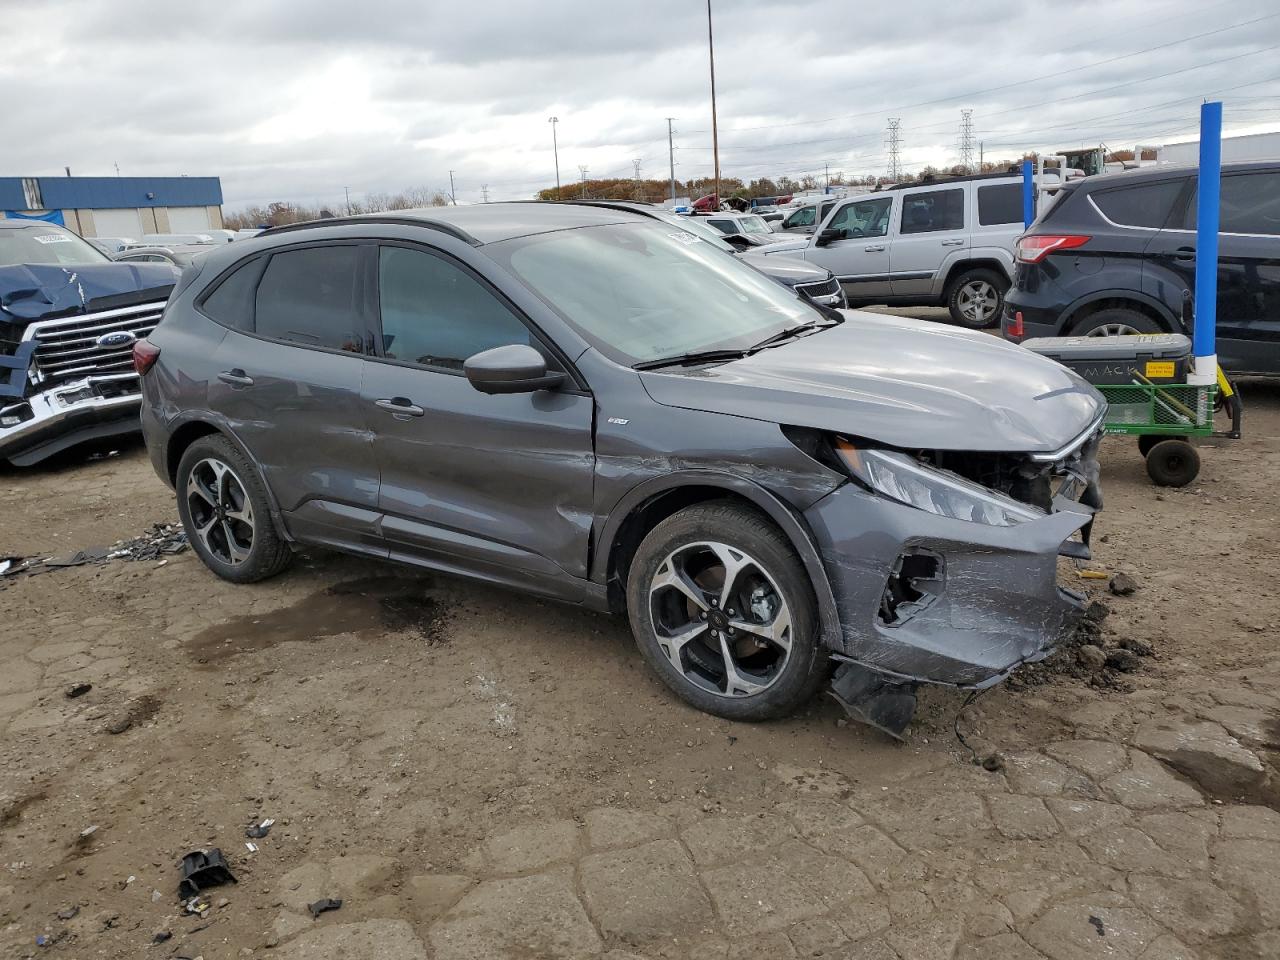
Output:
x=947 y=242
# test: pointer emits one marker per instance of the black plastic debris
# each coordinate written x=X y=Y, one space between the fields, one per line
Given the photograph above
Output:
x=322 y=906
x=160 y=936
x=79 y=558
x=77 y=690
x=873 y=699
x=202 y=869
x=259 y=830
x=164 y=539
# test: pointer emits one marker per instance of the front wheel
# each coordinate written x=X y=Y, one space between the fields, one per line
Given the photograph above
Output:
x=723 y=610
x=976 y=298
x=1173 y=463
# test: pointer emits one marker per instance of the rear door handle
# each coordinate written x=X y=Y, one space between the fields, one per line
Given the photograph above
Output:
x=1184 y=253
x=236 y=377
x=953 y=243
x=874 y=248
x=401 y=407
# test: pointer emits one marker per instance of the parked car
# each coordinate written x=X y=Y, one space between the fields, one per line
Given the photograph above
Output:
x=944 y=243
x=588 y=405
x=805 y=219
x=168 y=239
x=110 y=245
x=1116 y=254
x=743 y=230
x=179 y=255
x=68 y=320
x=816 y=283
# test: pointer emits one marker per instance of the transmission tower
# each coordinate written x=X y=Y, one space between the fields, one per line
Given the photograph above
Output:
x=583 y=170
x=894 y=142
x=638 y=193
x=966 y=140
x=484 y=192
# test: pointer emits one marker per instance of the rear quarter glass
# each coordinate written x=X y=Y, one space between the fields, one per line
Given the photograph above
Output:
x=1139 y=205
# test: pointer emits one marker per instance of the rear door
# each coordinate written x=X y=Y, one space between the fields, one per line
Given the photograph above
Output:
x=931 y=224
x=1248 y=267
x=500 y=486
x=859 y=255
x=288 y=384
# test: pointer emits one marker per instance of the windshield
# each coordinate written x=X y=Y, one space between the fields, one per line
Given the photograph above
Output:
x=645 y=291
x=752 y=224
x=699 y=228
x=46 y=244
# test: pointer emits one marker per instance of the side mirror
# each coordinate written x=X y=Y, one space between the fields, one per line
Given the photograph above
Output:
x=515 y=368
x=829 y=235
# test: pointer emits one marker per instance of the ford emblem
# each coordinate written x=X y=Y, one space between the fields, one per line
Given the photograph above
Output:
x=117 y=338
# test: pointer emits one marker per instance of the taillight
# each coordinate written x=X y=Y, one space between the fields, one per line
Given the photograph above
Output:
x=1034 y=248
x=1014 y=328
x=145 y=354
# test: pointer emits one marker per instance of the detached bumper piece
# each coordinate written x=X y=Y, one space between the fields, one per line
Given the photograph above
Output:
x=42 y=424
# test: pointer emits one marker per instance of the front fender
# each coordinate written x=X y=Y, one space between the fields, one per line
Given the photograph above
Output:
x=788 y=520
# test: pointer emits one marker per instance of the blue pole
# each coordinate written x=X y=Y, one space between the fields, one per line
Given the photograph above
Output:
x=1028 y=194
x=1208 y=189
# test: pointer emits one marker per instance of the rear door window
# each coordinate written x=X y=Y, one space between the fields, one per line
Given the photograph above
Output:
x=999 y=203
x=1140 y=205
x=933 y=211
x=1250 y=203
x=308 y=297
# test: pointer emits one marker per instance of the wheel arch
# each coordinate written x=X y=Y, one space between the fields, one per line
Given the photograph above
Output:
x=649 y=503
x=1099 y=300
x=961 y=267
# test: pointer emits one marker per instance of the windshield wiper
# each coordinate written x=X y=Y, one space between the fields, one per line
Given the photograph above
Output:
x=697 y=356
x=790 y=333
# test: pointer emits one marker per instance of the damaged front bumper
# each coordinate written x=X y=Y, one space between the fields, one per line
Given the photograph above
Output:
x=927 y=598
x=42 y=424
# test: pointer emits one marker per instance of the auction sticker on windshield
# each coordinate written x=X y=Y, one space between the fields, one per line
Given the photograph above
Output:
x=685 y=238
x=52 y=238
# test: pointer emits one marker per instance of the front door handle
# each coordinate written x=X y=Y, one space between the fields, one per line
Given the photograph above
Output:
x=236 y=377
x=953 y=243
x=401 y=407
x=1184 y=253
x=874 y=248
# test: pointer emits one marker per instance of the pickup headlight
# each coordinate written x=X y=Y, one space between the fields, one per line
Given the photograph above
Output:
x=901 y=477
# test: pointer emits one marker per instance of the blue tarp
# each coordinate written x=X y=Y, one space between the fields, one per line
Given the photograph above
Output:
x=53 y=216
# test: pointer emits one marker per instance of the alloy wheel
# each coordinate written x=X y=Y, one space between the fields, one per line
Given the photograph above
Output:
x=978 y=301
x=1113 y=330
x=720 y=619
x=221 y=511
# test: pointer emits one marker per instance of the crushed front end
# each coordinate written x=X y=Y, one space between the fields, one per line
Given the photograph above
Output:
x=944 y=565
x=66 y=342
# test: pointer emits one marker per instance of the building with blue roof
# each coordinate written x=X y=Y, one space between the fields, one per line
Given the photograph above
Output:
x=116 y=206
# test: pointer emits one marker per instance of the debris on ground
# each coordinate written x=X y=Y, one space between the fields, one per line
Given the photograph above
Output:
x=160 y=936
x=197 y=905
x=322 y=906
x=77 y=690
x=133 y=712
x=69 y=912
x=202 y=869
x=259 y=830
x=1123 y=585
x=1093 y=574
x=86 y=835
x=162 y=541
x=1091 y=657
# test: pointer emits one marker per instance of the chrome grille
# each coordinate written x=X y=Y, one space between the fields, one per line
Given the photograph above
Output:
x=69 y=346
x=824 y=291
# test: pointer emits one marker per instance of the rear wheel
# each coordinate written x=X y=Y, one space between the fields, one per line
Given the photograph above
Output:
x=1115 y=322
x=1173 y=463
x=976 y=298
x=722 y=608
x=1147 y=441
x=224 y=508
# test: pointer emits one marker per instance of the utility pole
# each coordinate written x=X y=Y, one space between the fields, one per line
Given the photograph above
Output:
x=894 y=143
x=583 y=171
x=826 y=178
x=346 y=191
x=982 y=155
x=555 y=149
x=452 y=195
x=966 y=140
x=671 y=155
x=484 y=192
x=117 y=166
x=715 y=133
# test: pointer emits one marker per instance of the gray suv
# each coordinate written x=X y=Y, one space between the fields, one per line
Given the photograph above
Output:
x=594 y=406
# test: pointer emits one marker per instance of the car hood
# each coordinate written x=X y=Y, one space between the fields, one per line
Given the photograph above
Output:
x=789 y=270
x=792 y=245
x=904 y=383
x=36 y=290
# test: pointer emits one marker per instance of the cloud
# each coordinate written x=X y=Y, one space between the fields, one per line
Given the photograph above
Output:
x=285 y=99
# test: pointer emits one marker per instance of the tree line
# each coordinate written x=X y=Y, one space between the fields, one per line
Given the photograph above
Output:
x=281 y=212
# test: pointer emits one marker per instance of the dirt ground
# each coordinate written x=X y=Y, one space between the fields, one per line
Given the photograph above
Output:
x=479 y=774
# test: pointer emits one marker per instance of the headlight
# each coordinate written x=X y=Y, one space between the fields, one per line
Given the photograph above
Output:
x=903 y=478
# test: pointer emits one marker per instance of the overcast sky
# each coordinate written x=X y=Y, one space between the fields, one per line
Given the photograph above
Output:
x=294 y=100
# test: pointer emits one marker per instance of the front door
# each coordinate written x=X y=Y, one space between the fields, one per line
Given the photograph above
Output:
x=859 y=254
x=288 y=378
x=498 y=486
x=931 y=227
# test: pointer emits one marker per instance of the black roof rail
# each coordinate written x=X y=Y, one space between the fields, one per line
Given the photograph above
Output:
x=362 y=219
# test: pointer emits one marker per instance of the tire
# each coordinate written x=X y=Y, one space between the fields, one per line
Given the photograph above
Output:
x=1146 y=442
x=1173 y=463
x=770 y=591
x=976 y=298
x=240 y=543
x=1115 y=321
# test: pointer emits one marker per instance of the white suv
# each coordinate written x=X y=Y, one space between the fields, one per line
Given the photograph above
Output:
x=949 y=242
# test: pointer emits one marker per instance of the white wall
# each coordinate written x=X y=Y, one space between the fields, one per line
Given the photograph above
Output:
x=117 y=223
x=188 y=219
x=1258 y=146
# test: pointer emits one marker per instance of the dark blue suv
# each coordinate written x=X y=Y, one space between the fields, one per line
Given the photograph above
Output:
x=1116 y=254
